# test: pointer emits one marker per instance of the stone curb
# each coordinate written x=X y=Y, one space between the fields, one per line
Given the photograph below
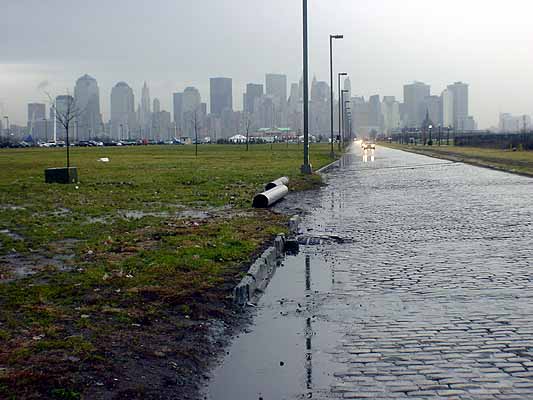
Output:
x=328 y=167
x=259 y=274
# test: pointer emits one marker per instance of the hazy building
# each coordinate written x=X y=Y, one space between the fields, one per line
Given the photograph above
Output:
x=348 y=87
x=221 y=95
x=191 y=111
x=460 y=103
x=177 y=105
x=414 y=95
x=466 y=124
x=157 y=106
x=253 y=91
x=145 y=116
x=122 y=111
x=276 y=86
x=87 y=97
x=161 y=125
x=37 y=124
x=447 y=108
x=433 y=105
x=360 y=116
x=265 y=115
x=375 y=118
x=513 y=124
x=319 y=121
x=390 y=109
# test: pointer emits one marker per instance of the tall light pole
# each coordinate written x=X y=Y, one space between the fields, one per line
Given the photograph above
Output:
x=340 y=105
x=331 y=37
x=306 y=167
x=341 y=121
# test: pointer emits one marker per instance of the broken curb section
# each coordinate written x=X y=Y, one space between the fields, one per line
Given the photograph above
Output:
x=259 y=274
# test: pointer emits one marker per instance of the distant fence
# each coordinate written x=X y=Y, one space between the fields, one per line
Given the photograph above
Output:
x=497 y=141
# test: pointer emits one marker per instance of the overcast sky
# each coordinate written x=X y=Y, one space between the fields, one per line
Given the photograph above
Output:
x=47 y=45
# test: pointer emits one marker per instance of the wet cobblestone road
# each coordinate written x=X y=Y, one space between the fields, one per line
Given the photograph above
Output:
x=426 y=291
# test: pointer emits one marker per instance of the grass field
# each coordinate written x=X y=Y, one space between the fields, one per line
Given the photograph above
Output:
x=512 y=161
x=98 y=274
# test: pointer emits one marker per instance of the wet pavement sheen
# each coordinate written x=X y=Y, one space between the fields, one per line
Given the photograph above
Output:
x=427 y=294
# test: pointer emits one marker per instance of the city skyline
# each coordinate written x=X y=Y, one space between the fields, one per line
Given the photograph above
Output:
x=417 y=44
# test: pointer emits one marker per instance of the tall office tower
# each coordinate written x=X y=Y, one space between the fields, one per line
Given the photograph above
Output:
x=157 y=105
x=375 y=118
x=390 y=109
x=360 y=116
x=448 y=118
x=87 y=96
x=177 y=106
x=145 y=117
x=191 y=111
x=65 y=110
x=122 y=111
x=37 y=121
x=433 y=106
x=460 y=104
x=276 y=86
x=348 y=87
x=253 y=91
x=221 y=95
x=414 y=95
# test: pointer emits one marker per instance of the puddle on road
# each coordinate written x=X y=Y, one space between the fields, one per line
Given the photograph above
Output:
x=287 y=353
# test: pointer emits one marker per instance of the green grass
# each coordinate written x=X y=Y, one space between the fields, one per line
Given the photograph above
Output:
x=100 y=272
x=512 y=161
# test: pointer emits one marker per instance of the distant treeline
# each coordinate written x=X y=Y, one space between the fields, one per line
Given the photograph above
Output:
x=519 y=141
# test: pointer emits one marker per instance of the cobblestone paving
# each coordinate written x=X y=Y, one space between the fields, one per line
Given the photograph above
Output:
x=426 y=290
x=439 y=275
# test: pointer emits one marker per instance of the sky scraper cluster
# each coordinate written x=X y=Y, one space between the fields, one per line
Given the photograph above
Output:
x=267 y=106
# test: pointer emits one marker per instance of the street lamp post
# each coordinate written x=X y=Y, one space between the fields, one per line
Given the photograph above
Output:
x=430 y=143
x=331 y=37
x=306 y=167
x=340 y=104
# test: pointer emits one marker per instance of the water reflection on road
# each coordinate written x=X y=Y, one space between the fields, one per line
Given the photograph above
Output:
x=423 y=289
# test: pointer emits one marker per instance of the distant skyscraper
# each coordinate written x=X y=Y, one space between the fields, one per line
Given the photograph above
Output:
x=36 y=121
x=177 y=100
x=157 y=105
x=414 y=95
x=87 y=96
x=448 y=119
x=221 y=95
x=276 y=86
x=390 y=110
x=145 y=114
x=374 y=113
x=122 y=111
x=433 y=105
x=348 y=87
x=253 y=92
x=460 y=104
x=191 y=110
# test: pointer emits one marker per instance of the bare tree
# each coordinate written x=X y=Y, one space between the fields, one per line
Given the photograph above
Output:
x=196 y=124
x=248 y=123
x=65 y=116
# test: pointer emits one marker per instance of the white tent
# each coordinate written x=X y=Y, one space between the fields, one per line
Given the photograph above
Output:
x=238 y=139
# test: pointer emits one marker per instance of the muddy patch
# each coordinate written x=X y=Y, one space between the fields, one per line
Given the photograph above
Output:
x=15 y=266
